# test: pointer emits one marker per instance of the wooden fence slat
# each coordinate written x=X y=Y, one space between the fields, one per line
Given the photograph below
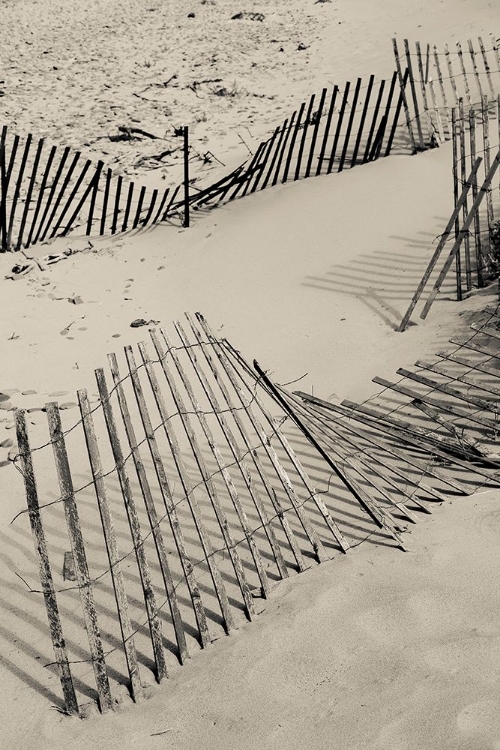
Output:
x=116 y=208
x=3 y=195
x=93 y=199
x=463 y=377
x=317 y=122
x=338 y=129
x=464 y=73
x=150 y=509
x=480 y=403
x=455 y=138
x=362 y=122
x=350 y=122
x=204 y=471
x=252 y=453
x=29 y=194
x=414 y=94
x=402 y=89
x=282 y=148
x=474 y=67
x=88 y=190
x=463 y=177
x=52 y=192
x=41 y=192
x=135 y=527
x=277 y=151
x=260 y=167
x=79 y=556
x=305 y=128
x=439 y=123
x=167 y=497
x=236 y=453
x=397 y=112
x=298 y=124
x=105 y=200
x=423 y=89
x=154 y=196
x=227 y=367
x=451 y=74
x=170 y=203
x=187 y=487
x=46 y=580
x=140 y=202
x=128 y=206
x=487 y=157
x=437 y=65
x=440 y=246
x=13 y=153
x=477 y=228
x=159 y=213
x=486 y=64
x=496 y=50
x=115 y=560
x=17 y=189
x=326 y=132
x=374 y=121
x=72 y=195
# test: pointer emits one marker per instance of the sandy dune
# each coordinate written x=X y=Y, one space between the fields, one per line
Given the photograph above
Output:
x=377 y=650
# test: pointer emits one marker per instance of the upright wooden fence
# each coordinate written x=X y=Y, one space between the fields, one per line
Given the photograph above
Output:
x=47 y=192
x=439 y=79
x=181 y=497
x=333 y=131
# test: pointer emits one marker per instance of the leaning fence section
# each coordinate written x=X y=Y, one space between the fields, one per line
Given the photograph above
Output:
x=472 y=234
x=439 y=78
x=47 y=192
x=333 y=131
x=189 y=487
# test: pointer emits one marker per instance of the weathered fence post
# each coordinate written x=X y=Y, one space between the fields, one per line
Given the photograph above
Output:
x=185 y=133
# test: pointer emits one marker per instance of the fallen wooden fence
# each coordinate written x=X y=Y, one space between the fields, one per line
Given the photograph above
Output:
x=181 y=498
x=48 y=192
x=438 y=80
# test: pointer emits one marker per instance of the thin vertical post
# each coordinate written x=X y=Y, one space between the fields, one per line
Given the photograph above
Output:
x=31 y=187
x=116 y=208
x=283 y=148
x=93 y=198
x=423 y=89
x=154 y=196
x=474 y=67
x=463 y=178
x=105 y=199
x=277 y=151
x=185 y=133
x=138 y=211
x=52 y=192
x=487 y=157
x=464 y=74
x=373 y=124
x=451 y=74
x=454 y=138
x=442 y=88
x=17 y=189
x=486 y=65
x=3 y=193
x=397 y=111
x=292 y=142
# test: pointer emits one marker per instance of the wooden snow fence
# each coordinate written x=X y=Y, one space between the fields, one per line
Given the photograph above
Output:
x=475 y=214
x=444 y=414
x=439 y=78
x=333 y=131
x=47 y=192
x=186 y=491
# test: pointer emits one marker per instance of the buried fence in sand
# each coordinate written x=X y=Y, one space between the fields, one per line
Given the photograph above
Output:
x=45 y=195
x=174 y=539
